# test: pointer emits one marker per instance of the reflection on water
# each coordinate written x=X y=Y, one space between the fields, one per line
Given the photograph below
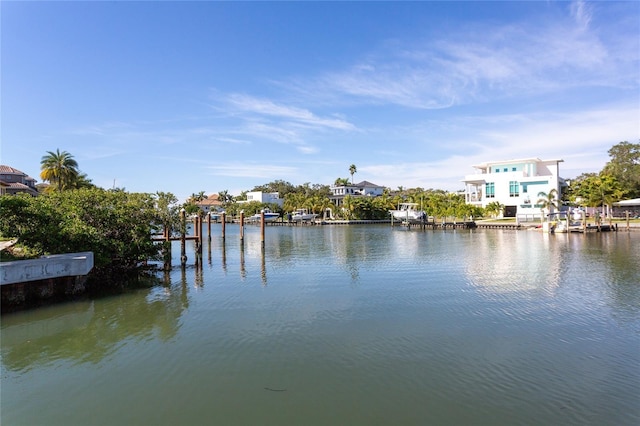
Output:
x=355 y=325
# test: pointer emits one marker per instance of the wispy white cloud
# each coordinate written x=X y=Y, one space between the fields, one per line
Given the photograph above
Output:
x=254 y=170
x=581 y=12
x=265 y=107
x=482 y=62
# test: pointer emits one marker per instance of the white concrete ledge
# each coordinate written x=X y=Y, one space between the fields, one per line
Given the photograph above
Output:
x=54 y=266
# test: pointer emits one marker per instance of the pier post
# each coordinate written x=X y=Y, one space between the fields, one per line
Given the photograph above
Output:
x=183 y=231
x=166 y=254
x=263 y=268
x=197 y=223
x=242 y=225
x=224 y=224
x=223 y=251
x=262 y=227
x=209 y=226
x=243 y=270
x=627 y=215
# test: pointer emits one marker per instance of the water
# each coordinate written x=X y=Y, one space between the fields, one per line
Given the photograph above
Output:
x=358 y=325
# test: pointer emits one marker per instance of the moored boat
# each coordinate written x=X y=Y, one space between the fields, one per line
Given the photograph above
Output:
x=269 y=216
x=302 y=215
x=408 y=212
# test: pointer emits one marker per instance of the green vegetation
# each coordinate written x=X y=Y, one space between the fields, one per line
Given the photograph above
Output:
x=74 y=215
x=352 y=171
x=618 y=180
x=61 y=171
x=115 y=225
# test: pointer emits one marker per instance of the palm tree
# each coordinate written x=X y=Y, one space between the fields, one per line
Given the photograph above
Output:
x=225 y=198
x=348 y=207
x=352 y=171
x=547 y=201
x=494 y=208
x=59 y=169
x=200 y=196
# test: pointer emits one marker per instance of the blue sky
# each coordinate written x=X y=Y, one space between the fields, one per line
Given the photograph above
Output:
x=208 y=96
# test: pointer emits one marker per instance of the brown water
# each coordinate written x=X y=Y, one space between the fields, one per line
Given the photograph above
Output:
x=358 y=325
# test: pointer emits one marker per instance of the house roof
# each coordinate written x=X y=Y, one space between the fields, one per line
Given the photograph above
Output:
x=368 y=184
x=632 y=202
x=517 y=160
x=8 y=170
x=211 y=200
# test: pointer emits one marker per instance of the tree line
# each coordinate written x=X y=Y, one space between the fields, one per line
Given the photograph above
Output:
x=74 y=215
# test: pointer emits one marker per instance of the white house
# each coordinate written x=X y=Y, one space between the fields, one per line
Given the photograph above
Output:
x=361 y=189
x=513 y=183
x=264 y=197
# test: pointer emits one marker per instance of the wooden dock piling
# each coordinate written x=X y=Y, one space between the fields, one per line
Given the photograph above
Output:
x=242 y=226
x=262 y=228
x=183 y=231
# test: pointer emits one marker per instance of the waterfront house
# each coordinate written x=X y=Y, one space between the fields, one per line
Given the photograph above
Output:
x=361 y=189
x=210 y=204
x=13 y=181
x=514 y=184
x=632 y=206
x=263 y=197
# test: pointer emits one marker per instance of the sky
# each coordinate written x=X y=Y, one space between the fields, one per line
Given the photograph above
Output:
x=185 y=97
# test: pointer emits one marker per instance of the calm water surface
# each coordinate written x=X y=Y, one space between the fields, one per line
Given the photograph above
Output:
x=359 y=325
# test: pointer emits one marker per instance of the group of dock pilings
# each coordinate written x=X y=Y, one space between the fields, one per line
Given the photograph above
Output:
x=426 y=223
x=197 y=236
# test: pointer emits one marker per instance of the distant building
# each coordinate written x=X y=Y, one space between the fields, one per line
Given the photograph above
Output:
x=632 y=206
x=13 y=181
x=361 y=189
x=210 y=204
x=263 y=197
x=514 y=183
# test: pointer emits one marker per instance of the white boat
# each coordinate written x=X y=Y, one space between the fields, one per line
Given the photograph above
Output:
x=408 y=212
x=302 y=215
x=269 y=216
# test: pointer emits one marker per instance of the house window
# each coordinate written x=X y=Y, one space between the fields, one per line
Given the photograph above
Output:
x=514 y=189
x=505 y=169
x=513 y=169
x=490 y=190
x=497 y=170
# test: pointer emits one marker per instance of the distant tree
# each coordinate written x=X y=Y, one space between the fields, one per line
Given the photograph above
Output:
x=352 y=171
x=294 y=201
x=59 y=169
x=348 y=207
x=624 y=166
x=548 y=201
x=168 y=210
x=115 y=225
x=594 y=190
x=341 y=181
x=494 y=208
x=225 y=198
x=83 y=182
x=200 y=196
x=280 y=186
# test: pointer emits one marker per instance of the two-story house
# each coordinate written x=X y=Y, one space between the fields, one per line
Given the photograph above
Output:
x=361 y=189
x=211 y=204
x=264 y=197
x=514 y=184
x=14 y=181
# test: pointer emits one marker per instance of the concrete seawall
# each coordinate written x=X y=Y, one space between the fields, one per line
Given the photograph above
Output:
x=26 y=282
